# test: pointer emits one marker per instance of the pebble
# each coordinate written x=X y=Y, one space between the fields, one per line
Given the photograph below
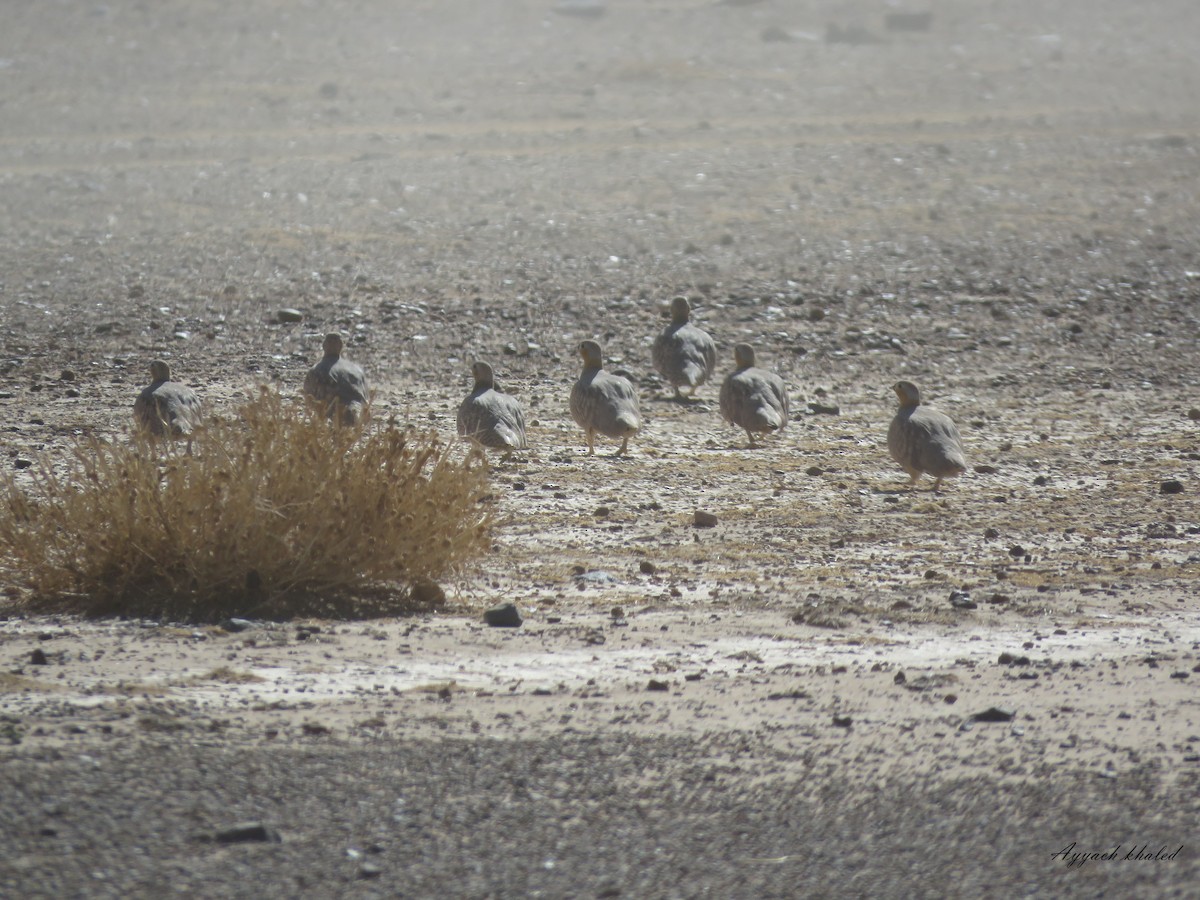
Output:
x=288 y=315
x=646 y=567
x=247 y=832
x=1171 y=487
x=704 y=519
x=994 y=714
x=842 y=721
x=235 y=625
x=821 y=409
x=38 y=657
x=506 y=615
x=655 y=685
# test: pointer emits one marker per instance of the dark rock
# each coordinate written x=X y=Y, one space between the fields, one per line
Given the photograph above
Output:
x=288 y=316
x=899 y=678
x=247 y=832
x=704 y=519
x=1016 y=551
x=38 y=657
x=842 y=721
x=1171 y=487
x=985 y=469
x=235 y=625
x=656 y=685
x=646 y=567
x=994 y=714
x=506 y=615
x=369 y=870
x=22 y=462
x=813 y=470
x=821 y=409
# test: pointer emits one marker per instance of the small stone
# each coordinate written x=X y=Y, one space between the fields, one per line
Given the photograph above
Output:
x=617 y=613
x=899 y=678
x=646 y=567
x=506 y=615
x=247 y=832
x=991 y=534
x=655 y=685
x=369 y=870
x=38 y=657
x=985 y=469
x=1171 y=487
x=821 y=409
x=704 y=519
x=233 y=626
x=842 y=721
x=289 y=316
x=1194 y=414
x=994 y=714
x=813 y=471
x=1016 y=551
x=23 y=463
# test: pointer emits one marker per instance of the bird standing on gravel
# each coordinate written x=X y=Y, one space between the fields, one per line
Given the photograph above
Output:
x=684 y=354
x=490 y=418
x=603 y=402
x=753 y=398
x=167 y=408
x=923 y=440
x=338 y=386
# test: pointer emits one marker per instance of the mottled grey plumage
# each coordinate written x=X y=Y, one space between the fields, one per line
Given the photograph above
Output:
x=753 y=398
x=923 y=440
x=684 y=354
x=603 y=402
x=336 y=385
x=490 y=418
x=167 y=408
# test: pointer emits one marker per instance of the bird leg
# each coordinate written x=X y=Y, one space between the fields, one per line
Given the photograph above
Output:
x=750 y=434
x=624 y=446
x=591 y=437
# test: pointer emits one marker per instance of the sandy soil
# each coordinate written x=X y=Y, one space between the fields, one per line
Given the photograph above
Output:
x=1002 y=209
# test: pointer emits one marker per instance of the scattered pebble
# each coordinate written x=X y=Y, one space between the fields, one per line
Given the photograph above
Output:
x=289 y=316
x=704 y=519
x=1171 y=486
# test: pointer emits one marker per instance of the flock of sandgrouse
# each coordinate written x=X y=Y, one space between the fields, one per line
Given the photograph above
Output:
x=920 y=439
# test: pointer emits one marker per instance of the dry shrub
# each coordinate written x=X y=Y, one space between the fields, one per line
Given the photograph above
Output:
x=275 y=514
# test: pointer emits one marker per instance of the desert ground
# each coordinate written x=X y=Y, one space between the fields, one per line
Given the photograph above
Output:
x=1002 y=207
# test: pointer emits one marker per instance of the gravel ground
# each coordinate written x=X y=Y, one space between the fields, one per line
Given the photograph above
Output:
x=1001 y=209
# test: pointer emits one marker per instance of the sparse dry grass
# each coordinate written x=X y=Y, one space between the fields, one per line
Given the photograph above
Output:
x=277 y=514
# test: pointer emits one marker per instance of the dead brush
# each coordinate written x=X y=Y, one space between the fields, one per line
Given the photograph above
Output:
x=275 y=514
